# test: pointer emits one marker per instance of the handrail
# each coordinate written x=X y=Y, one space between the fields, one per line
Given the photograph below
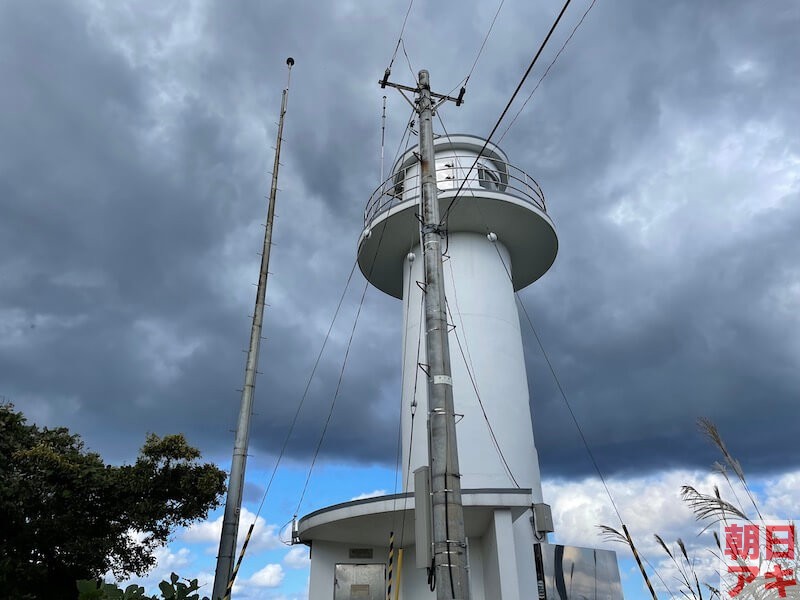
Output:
x=451 y=171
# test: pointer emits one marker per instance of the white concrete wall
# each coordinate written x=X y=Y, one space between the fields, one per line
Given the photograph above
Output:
x=504 y=556
x=414 y=581
x=414 y=584
x=491 y=566
x=481 y=299
x=325 y=556
x=475 y=556
x=523 y=538
x=494 y=572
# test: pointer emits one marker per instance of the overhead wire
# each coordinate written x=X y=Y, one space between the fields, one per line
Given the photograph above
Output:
x=402 y=30
x=398 y=459
x=560 y=389
x=552 y=371
x=465 y=80
x=320 y=353
x=466 y=177
x=305 y=391
x=572 y=414
x=457 y=166
x=474 y=383
x=448 y=441
x=398 y=455
x=457 y=196
x=555 y=378
x=406 y=132
x=538 y=83
x=297 y=412
x=413 y=408
x=541 y=347
x=335 y=398
x=417 y=368
x=347 y=350
x=408 y=61
x=400 y=43
x=483 y=44
x=466 y=356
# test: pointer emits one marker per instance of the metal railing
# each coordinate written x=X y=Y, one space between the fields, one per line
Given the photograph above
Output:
x=451 y=171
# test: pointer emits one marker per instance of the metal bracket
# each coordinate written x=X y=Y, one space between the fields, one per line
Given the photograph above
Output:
x=442 y=98
x=431 y=228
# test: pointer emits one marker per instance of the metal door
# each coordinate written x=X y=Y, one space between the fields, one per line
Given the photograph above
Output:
x=359 y=582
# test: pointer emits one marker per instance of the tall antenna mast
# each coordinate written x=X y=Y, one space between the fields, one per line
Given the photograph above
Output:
x=233 y=504
x=449 y=536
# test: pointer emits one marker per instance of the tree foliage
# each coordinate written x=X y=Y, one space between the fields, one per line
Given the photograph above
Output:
x=174 y=589
x=66 y=515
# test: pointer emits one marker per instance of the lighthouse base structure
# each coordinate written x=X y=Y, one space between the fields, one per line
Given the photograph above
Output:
x=353 y=537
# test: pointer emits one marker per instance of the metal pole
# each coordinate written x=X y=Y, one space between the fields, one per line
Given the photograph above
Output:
x=449 y=539
x=233 y=503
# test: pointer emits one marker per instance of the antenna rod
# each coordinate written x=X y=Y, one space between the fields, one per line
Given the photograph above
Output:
x=383 y=136
x=223 y=582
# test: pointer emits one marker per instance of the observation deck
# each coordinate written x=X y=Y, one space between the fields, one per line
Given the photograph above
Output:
x=495 y=196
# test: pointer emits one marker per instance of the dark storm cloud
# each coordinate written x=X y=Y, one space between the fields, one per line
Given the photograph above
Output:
x=702 y=338
x=123 y=246
x=135 y=145
x=650 y=331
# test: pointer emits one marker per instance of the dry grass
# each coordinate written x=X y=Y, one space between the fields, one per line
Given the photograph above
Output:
x=708 y=509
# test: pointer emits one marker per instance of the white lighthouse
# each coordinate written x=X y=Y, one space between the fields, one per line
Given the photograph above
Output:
x=499 y=239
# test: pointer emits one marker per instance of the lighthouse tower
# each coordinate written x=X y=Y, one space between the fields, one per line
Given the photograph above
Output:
x=499 y=239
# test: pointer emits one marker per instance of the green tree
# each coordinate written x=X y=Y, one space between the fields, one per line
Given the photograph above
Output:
x=66 y=515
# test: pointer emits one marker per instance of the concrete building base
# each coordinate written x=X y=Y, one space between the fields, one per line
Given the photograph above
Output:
x=500 y=541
